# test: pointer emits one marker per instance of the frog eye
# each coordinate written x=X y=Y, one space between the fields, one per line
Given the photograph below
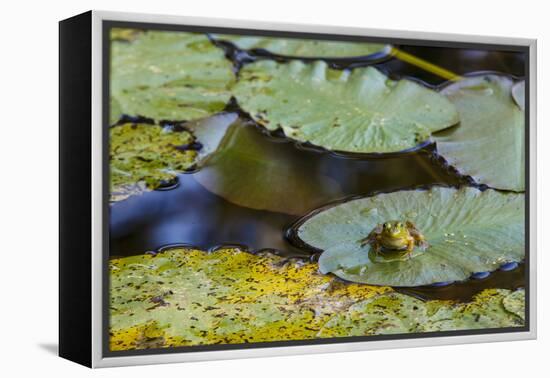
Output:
x=386 y=225
x=399 y=225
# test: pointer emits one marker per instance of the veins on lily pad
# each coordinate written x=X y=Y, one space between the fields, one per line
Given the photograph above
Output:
x=467 y=231
x=357 y=111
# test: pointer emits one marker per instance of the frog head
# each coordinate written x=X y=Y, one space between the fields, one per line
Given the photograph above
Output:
x=394 y=230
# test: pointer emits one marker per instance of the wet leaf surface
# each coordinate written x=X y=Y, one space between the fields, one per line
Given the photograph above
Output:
x=184 y=297
x=359 y=111
x=489 y=142
x=467 y=230
x=306 y=48
x=169 y=76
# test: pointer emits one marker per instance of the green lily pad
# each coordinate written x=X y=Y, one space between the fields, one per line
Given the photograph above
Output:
x=515 y=303
x=394 y=313
x=252 y=172
x=143 y=156
x=170 y=76
x=489 y=143
x=306 y=48
x=467 y=230
x=358 y=111
x=186 y=297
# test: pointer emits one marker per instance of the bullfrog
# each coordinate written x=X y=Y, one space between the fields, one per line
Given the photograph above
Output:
x=395 y=236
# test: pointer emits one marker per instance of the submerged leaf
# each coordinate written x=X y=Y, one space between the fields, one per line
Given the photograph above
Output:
x=143 y=156
x=170 y=76
x=227 y=296
x=253 y=171
x=185 y=297
x=306 y=48
x=489 y=142
x=467 y=231
x=359 y=111
x=211 y=131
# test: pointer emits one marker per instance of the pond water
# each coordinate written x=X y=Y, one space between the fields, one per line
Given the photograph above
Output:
x=258 y=184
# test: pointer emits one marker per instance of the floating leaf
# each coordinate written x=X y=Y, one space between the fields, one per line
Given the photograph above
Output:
x=144 y=156
x=467 y=230
x=358 y=111
x=489 y=142
x=515 y=303
x=185 y=297
x=227 y=296
x=251 y=171
x=170 y=76
x=395 y=313
x=307 y=48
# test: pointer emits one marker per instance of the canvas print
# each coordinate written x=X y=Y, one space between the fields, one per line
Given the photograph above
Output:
x=273 y=189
